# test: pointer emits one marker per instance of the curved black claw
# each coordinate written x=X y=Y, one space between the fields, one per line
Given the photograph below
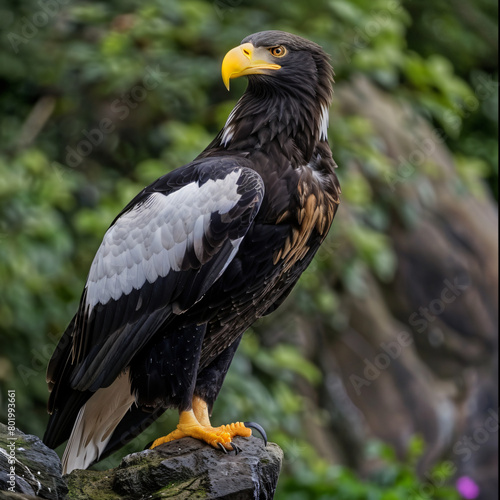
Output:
x=236 y=448
x=259 y=429
x=222 y=447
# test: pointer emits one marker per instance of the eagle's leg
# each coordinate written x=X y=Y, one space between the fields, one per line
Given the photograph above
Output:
x=196 y=423
x=189 y=426
x=200 y=408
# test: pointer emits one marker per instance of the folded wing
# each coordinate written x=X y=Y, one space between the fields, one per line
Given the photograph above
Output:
x=158 y=258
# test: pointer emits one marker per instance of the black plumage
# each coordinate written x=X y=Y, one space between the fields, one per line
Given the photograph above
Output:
x=196 y=257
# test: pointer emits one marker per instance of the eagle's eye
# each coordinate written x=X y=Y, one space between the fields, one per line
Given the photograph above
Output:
x=278 y=51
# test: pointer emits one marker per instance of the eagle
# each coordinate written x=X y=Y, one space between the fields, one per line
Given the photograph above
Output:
x=196 y=258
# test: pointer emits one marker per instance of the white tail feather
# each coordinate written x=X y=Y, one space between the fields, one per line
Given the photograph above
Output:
x=96 y=422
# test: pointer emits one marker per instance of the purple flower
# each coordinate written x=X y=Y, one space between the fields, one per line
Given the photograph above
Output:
x=467 y=487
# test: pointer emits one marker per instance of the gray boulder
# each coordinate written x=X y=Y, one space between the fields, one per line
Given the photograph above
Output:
x=187 y=469
x=29 y=467
x=184 y=469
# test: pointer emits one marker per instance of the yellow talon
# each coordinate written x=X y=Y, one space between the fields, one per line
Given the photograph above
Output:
x=196 y=423
x=235 y=429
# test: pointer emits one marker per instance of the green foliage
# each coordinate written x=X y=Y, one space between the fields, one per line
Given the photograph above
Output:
x=100 y=98
x=466 y=37
x=389 y=479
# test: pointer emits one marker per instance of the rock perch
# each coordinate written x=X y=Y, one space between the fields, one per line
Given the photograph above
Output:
x=183 y=469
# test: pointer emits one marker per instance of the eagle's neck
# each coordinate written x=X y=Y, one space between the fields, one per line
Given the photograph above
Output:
x=266 y=120
x=284 y=135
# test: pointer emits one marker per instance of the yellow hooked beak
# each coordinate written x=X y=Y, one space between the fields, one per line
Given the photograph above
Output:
x=246 y=60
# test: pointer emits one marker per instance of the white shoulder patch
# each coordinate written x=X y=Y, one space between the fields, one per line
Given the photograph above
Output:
x=323 y=124
x=228 y=130
x=227 y=134
x=151 y=239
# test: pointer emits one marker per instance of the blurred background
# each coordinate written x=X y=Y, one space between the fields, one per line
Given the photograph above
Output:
x=378 y=375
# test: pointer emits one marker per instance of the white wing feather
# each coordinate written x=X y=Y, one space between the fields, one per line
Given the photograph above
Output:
x=151 y=239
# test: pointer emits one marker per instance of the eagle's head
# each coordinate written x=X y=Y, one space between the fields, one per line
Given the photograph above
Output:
x=289 y=89
x=282 y=61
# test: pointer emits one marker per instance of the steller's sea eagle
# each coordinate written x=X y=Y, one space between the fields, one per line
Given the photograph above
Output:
x=196 y=257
